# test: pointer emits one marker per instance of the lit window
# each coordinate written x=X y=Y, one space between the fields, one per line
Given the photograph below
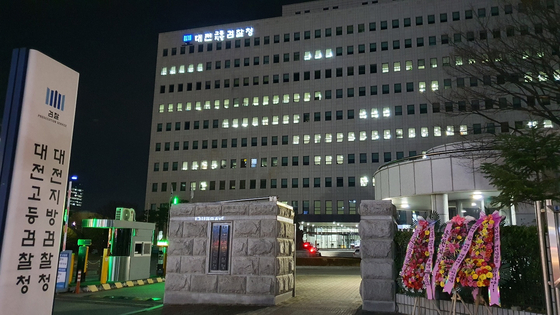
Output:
x=164 y=71
x=463 y=130
x=173 y=70
x=374 y=135
x=245 y=122
x=364 y=181
x=189 y=106
x=275 y=120
x=399 y=133
x=374 y=113
x=386 y=112
x=182 y=69
x=265 y=121
x=190 y=69
x=286 y=119
x=265 y=100
x=328 y=159
x=198 y=106
x=435 y=85
x=204 y=165
x=207 y=105
x=185 y=166
x=458 y=61
x=203 y=185
x=363 y=113
x=386 y=134
x=253 y=163
x=450 y=131
x=318 y=96
x=296 y=97
x=286 y=98
x=385 y=67
x=328 y=53
x=433 y=62
x=216 y=104
x=306 y=139
x=547 y=123
x=225 y=123
x=437 y=131
x=226 y=103
x=179 y=107
x=245 y=101
x=306 y=97
x=307 y=55
x=339 y=137
x=169 y=108
x=194 y=166
x=363 y=136
x=412 y=132
x=296 y=119
x=295 y=140
x=328 y=137
x=255 y=122
x=532 y=124
x=421 y=64
x=161 y=108
x=256 y=101
x=396 y=66
x=340 y=159
x=318 y=54
x=422 y=87
x=214 y=165
x=199 y=68
x=424 y=132
x=317 y=160
x=408 y=65
x=275 y=99
x=351 y=136
x=235 y=123
x=317 y=138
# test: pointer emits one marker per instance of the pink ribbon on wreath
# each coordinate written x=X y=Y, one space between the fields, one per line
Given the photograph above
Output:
x=494 y=292
x=428 y=268
x=450 y=283
x=441 y=248
x=410 y=247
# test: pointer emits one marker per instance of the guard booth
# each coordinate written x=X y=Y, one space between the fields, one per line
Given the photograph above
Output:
x=129 y=244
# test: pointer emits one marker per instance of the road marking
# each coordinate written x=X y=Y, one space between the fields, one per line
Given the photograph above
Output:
x=144 y=310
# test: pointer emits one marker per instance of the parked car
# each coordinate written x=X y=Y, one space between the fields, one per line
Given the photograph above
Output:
x=308 y=251
x=357 y=253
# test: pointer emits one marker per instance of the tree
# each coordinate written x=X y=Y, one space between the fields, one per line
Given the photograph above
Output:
x=528 y=167
x=507 y=63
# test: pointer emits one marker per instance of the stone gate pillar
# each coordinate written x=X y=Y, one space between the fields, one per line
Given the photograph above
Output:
x=230 y=253
x=377 y=229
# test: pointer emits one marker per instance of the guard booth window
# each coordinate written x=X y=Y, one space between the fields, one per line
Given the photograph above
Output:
x=220 y=247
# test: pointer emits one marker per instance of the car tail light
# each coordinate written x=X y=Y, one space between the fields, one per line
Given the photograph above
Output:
x=306 y=245
x=311 y=250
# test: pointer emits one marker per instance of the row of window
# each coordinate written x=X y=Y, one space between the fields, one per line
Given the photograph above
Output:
x=266 y=184
x=386 y=134
x=276 y=161
x=338 y=31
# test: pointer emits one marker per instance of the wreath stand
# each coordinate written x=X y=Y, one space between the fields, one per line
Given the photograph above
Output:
x=417 y=301
x=456 y=297
x=480 y=301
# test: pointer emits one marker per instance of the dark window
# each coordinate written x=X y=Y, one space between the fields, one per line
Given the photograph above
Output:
x=419 y=20
x=386 y=157
x=372 y=26
x=410 y=109
x=375 y=158
x=328 y=181
x=398 y=110
x=340 y=182
x=431 y=19
x=383 y=25
x=423 y=108
x=443 y=17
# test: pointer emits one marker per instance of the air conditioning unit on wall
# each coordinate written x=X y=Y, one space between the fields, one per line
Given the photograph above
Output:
x=125 y=214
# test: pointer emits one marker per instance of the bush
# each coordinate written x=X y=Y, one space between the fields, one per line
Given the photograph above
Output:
x=521 y=281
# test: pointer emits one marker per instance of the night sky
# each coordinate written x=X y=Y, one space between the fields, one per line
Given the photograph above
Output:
x=112 y=44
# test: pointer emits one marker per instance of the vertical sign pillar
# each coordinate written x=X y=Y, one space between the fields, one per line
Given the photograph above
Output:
x=377 y=229
x=36 y=138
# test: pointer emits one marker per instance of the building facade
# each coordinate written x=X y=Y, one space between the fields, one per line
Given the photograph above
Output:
x=307 y=106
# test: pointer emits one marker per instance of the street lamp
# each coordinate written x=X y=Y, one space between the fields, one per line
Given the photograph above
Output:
x=67 y=212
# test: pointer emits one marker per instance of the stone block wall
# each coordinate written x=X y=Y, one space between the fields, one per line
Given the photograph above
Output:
x=377 y=230
x=261 y=268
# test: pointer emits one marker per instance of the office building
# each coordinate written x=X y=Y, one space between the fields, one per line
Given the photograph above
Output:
x=307 y=106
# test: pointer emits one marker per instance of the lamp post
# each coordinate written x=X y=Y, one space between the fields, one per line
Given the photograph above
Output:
x=67 y=214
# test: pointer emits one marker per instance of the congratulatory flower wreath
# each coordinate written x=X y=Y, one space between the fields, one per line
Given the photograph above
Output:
x=418 y=259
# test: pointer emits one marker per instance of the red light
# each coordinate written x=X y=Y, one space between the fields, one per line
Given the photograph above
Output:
x=312 y=250
x=306 y=244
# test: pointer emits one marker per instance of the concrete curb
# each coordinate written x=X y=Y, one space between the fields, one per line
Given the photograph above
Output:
x=116 y=285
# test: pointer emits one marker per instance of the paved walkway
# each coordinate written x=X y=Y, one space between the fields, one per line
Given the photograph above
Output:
x=325 y=290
